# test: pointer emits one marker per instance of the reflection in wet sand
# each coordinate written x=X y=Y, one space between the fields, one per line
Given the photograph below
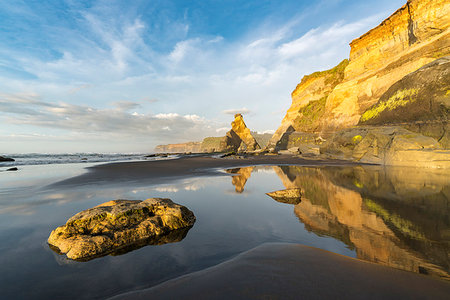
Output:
x=394 y=217
x=240 y=180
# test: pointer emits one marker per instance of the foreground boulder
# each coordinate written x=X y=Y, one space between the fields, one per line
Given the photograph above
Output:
x=120 y=224
x=289 y=196
x=387 y=145
x=2 y=158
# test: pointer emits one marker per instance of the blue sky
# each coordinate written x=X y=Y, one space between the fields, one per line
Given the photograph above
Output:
x=124 y=76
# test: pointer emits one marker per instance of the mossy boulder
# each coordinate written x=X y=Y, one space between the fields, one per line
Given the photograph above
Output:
x=420 y=101
x=119 y=224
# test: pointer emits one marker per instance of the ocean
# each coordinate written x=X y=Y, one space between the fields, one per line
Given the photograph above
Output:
x=70 y=158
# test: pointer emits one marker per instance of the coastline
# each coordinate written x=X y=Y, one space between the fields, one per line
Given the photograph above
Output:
x=160 y=171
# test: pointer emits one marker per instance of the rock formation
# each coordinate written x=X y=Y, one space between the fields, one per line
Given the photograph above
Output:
x=419 y=101
x=179 y=148
x=289 y=196
x=117 y=224
x=386 y=145
x=239 y=138
x=2 y=158
x=308 y=104
x=415 y=35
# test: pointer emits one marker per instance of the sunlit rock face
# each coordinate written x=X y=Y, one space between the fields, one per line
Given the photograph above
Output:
x=308 y=103
x=420 y=101
x=289 y=196
x=387 y=145
x=239 y=127
x=413 y=36
x=239 y=138
x=397 y=217
x=179 y=148
x=119 y=226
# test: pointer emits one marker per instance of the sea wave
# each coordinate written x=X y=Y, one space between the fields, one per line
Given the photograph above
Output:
x=68 y=158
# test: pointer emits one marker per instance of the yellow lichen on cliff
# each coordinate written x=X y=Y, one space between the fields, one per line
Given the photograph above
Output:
x=400 y=98
x=413 y=36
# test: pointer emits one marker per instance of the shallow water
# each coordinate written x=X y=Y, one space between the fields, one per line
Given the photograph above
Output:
x=396 y=216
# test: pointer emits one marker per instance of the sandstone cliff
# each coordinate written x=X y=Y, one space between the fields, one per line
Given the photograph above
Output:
x=238 y=138
x=419 y=101
x=416 y=34
x=179 y=148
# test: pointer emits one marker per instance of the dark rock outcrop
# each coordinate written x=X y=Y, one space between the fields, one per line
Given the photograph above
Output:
x=120 y=224
x=2 y=158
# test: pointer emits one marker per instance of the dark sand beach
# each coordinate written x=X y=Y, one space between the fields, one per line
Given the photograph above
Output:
x=161 y=171
x=269 y=271
x=360 y=231
x=290 y=271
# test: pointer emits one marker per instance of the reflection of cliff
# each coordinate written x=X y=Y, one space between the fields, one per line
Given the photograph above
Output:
x=386 y=216
x=240 y=180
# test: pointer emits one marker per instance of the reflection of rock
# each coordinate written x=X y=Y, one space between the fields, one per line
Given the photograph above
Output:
x=387 y=217
x=240 y=180
x=115 y=225
x=2 y=158
x=289 y=196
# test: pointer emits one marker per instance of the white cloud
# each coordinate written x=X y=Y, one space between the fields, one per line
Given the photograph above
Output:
x=223 y=129
x=112 y=62
x=105 y=122
x=243 y=110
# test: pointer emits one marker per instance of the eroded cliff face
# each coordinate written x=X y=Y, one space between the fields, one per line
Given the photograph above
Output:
x=179 y=148
x=416 y=34
x=413 y=36
x=308 y=102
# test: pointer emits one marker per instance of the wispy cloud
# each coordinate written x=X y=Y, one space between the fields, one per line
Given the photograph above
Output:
x=116 y=72
x=117 y=122
x=243 y=110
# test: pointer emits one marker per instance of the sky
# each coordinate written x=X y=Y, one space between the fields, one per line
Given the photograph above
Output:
x=124 y=76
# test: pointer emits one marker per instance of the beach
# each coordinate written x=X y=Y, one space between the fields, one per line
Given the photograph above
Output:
x=243 y=244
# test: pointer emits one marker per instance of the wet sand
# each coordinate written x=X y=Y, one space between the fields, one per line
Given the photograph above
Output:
x=162 y=171
x=292 y=271
x=270 y=271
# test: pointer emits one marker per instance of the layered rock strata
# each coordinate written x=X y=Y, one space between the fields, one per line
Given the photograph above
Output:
x=394 y=146
x=415 y=35
x=119 y=224
x=419 y=101
x=179 y=148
